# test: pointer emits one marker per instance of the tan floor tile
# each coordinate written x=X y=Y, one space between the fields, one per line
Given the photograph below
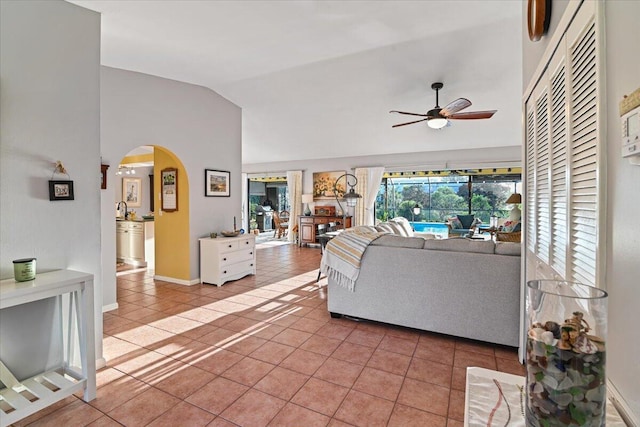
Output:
x=362 y=409
x=272 y=352
x=282 y=383
x=292 y=337
x=248 y=371
x=184 y=381
x=75 y=414
x=216 y=361
x=456 y=405
x=406 y=416
x=510 y=366
x=333 y=330
x=475 y=346
x=118 y=392
x=436 y=353
x=353 y=353
x=425 y=396
x=390 y=362
x=303 y=361
x=465 y=359
x=320 y=396
x=144 y=408
x=183 y=414
x=379 y=383
x=321 y=345
x=432 y=372
x=104 y=421
x=339 y=372
x=254 y=408
x=294 y=415
x=217 y=395
x=364 y=337
x=459 y=379
x=398 y=345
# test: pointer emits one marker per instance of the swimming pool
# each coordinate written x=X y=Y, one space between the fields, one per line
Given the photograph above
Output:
x=430 y=227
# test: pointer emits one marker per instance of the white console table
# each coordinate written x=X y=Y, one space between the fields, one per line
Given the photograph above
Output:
x=48 y=341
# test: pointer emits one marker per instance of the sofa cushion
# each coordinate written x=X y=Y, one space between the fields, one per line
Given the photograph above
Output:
x=391 y=227
x=467 y=221
x=508 y=248
x=461 y=245
x=406 y=226
x=396 y=241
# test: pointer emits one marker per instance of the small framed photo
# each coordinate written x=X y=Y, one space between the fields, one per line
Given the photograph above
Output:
x=216 y=183
x=132 y=192
x=169 y=192
x=60 y=190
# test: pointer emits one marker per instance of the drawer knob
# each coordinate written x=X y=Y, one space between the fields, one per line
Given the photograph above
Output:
x=251 y=265
x=246 y=242
x=224 y=272
x=251 y=253
x=229 y=245
x=224 y=259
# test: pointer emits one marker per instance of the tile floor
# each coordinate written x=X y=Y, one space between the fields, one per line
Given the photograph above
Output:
x=263 y=351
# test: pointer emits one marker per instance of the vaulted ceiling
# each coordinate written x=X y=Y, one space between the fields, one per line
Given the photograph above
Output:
x=316 y=79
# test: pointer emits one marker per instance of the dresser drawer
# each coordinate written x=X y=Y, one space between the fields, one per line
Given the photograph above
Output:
x=231 y=271
x=228 y=258
x=232 y=245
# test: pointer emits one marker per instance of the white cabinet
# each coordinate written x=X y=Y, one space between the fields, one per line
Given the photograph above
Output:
x=227 y=258
x=47 y=350
x=135 y=242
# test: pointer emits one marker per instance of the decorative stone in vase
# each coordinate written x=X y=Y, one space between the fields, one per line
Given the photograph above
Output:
x=566 y=354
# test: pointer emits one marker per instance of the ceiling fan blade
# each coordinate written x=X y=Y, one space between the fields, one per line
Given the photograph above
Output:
x=455 y=106
x=410 y=114
x=473 y=115
x=409 y=123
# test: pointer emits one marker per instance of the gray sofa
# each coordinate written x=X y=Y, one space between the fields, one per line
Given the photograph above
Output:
x=458 y=287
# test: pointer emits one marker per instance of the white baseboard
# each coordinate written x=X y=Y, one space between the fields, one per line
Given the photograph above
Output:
x=177 y=281
x=621 y=405
x=109 y=307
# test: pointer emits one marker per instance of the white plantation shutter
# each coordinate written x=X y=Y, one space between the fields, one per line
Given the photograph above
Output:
x=558 y=250
x=584 y=155
x=543 y=236
x=563 y=159
x=530 y=194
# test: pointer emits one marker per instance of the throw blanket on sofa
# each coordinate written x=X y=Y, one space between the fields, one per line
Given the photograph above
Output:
x=341 y=258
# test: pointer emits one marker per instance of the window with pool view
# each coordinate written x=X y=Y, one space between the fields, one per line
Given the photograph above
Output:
x=442 y=195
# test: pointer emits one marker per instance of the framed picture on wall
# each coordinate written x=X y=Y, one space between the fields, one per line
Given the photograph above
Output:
x=323 y=185
x=132 y=192
x=60 y=190
x=216 y=183
x=169 y=192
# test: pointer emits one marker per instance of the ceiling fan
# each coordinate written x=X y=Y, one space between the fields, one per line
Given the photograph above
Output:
x=438 y=118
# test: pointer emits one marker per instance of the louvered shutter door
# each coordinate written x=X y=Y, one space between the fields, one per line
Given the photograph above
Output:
x=583 y=221
x=530 y=219
x=558 y=124
x=542 y=175
x=564 y=158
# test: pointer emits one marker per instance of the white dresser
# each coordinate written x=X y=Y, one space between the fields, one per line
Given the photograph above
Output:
x=227 y=258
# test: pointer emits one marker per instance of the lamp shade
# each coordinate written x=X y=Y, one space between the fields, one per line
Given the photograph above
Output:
x=437 y=123
x=514 y=199
x=352 y=198
x=307 y=198
x=417 y=209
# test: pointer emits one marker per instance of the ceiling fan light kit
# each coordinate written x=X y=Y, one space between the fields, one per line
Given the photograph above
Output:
x=437 y=118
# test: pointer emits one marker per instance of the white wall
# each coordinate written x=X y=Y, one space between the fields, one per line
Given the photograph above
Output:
x=623 y=205
x=622 y=71
x=199 y=126
x=49 y=110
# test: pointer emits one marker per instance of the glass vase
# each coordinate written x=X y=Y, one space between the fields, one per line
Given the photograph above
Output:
x=566 y=353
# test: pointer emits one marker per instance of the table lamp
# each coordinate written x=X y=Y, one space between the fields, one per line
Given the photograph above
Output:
x=515 y=199
x=306 y=199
